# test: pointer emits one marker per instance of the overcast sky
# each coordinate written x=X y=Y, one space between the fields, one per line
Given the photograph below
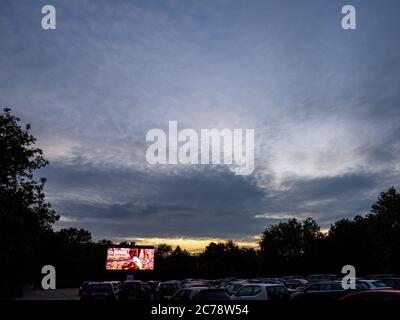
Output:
x=324 y=103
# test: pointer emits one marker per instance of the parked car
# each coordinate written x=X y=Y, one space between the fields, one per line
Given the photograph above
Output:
x=326 y=290
x=134 y=289
x=212 y=294
x=394 y=283
x=116 y=284
x=272 y=280
x=296 y=284
x=262 y=291
x=153 y=285
x=166 y=290
x=100 y=290
x=195 y=284
x=83 y=286
x=234 y=286
x=218 y=283
x=375 y=284
x=381 y=276
x=372 y=296
x=292 y=277
x=201 y=293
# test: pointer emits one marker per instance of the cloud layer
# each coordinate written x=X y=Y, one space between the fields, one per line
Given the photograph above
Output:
x=324 y=104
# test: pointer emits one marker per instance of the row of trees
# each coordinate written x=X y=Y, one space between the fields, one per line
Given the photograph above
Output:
x=27 y=241
x=371 y=243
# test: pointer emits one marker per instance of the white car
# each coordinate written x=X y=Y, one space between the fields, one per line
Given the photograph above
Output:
x=261 y=292
x=375 y=284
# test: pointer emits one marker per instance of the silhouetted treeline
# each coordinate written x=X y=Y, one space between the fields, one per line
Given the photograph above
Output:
x=27 y=241
x=370 y=243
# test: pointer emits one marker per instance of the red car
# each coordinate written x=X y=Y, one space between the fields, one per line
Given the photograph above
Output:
x=373 y=296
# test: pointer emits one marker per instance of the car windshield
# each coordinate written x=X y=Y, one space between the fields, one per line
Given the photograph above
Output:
x=233 y=287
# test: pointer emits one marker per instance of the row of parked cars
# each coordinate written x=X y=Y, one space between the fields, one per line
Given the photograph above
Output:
x=294 y=288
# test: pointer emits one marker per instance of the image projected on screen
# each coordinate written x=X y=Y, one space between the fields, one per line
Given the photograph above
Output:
x=133 y=258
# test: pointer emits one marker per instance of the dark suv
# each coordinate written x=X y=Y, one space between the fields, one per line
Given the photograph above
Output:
x=99 y=290
x=134 y=289
x=326 y=290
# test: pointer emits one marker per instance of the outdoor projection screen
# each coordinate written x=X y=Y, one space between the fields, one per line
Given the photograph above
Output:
x=130 y=258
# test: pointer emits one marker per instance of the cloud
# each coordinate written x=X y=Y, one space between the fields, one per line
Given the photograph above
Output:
x=129 y=203
x=323 y=103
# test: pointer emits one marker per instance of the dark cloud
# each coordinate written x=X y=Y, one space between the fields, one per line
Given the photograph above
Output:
x=208 y=202
x=324 y=104
x=331 y=198
x=204 y=202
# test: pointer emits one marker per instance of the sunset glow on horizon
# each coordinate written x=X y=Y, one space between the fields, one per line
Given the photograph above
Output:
x=193 y=245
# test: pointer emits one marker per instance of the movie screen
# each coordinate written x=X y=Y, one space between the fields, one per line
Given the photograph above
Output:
x=133 y=258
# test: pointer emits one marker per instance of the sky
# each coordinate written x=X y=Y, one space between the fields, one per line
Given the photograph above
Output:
x=323 y=101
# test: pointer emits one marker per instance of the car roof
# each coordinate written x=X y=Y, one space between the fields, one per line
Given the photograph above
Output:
x=264 y=284
x=195 y=288
x=326 y=282
x=99 y=283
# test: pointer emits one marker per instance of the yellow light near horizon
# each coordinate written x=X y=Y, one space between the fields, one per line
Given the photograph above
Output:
x=193 y=245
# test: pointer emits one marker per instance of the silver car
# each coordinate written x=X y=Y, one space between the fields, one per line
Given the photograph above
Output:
x=261 y=292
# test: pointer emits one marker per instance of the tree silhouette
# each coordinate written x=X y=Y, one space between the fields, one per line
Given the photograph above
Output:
x=286 y=245
x=24 y=212
x=384 y=227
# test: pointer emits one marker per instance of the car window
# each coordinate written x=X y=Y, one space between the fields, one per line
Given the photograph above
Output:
x=100 y=288
x=237 y=287
x=230 y=288
x=390 y=282
x=245 y=291
x=361 y=286
x=313 y=287
x=132 y=285
x=337 y=286
x=379 y=284
x=274 y=291
x=281 y=290
x=255 y=290
x=325 y=287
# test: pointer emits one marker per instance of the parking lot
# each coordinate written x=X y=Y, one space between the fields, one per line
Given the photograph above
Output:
x=294 y=288
x=57 y=294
